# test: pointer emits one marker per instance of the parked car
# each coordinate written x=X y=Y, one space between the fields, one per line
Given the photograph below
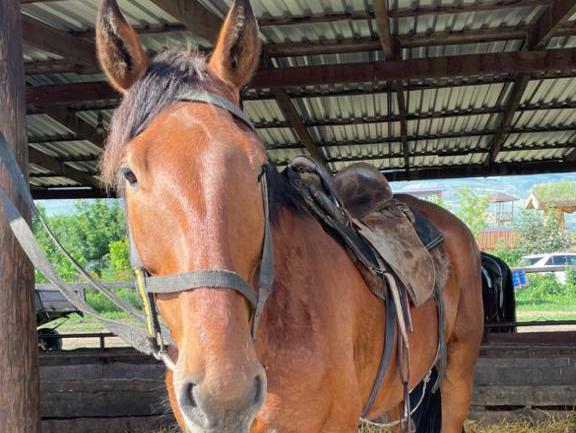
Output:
x=555 y=262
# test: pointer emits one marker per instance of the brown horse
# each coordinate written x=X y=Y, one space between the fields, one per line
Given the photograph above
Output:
x=189 y=175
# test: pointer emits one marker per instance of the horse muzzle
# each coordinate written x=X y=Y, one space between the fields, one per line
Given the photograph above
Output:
x=222 y=407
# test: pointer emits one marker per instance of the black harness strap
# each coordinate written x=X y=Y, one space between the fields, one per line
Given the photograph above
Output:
x=390 y=330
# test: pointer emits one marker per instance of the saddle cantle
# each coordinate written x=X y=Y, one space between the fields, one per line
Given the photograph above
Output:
x=359 y=206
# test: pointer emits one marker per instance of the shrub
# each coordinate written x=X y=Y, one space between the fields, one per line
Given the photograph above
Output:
x=103 y=305
x=510 y=255
x=545 y=289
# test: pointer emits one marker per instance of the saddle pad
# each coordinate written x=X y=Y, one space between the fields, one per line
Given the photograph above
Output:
x=392 y=233
x=427 y=232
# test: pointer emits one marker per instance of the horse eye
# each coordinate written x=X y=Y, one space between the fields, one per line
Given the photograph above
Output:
x=129 y=176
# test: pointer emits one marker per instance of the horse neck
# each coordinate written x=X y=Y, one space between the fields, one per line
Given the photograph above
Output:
x=313 y=275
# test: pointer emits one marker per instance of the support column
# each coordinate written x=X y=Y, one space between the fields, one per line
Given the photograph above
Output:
x=19 y=384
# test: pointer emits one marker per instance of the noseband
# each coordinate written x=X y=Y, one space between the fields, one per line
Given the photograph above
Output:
x=216 y=279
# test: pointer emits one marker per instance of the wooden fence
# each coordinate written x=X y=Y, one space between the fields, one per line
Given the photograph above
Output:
x=118 y=390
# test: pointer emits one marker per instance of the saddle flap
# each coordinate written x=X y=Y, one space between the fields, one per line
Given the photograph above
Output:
x=391 y=233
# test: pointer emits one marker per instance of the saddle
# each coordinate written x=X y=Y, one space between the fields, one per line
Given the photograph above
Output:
x=381 y=232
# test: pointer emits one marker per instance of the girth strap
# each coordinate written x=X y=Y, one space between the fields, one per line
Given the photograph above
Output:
x=390 y=330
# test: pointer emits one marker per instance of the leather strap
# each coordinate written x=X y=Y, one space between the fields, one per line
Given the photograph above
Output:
x=204 y=279
x=194 y=95
x=386 y=353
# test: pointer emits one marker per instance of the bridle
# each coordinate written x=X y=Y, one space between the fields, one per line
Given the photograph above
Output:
x=150 y=340
x=216 y=279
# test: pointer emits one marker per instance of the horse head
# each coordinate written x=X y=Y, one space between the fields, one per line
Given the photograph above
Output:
x=189 y=172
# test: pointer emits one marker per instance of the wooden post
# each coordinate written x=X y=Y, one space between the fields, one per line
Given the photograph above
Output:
x=19 y=385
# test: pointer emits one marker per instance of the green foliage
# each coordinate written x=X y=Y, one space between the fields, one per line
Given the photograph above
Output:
x=60 y=227
x=120 y=259
x=556 y=192
x=539 y=234
x=87 y=235
x=510 y=255
x=545 y=289
x=103 y=305
x=97 y=224
x=439 y=200
x=472 y=209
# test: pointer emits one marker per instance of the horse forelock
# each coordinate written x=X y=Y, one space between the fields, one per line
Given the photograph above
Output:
x=168 y=74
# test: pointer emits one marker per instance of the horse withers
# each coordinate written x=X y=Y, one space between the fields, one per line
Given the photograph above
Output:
x=191 y=172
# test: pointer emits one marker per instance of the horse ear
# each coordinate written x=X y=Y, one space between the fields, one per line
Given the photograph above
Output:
x=120 y=53
x=237 y=51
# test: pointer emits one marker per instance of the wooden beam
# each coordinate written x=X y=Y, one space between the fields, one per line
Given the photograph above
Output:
x=470 y=70
x=68 y=193
x=194 y=15
x=295 y=121
x=66 y=94
x=403 y=127
x=310 y=48
x=383 y=25
x=482 y=170
x=58 y=167
x=19 y=378
x=550 y=21
x=442 y=136
x=59 y=42
x=571 y=156
x=419 y=69
x=414 y=40
x=391 y=53
x=511 y=106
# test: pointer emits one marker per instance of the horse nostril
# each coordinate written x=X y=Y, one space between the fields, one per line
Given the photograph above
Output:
x=187 y=400
x=260 y=390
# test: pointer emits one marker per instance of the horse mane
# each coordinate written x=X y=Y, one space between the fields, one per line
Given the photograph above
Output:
x=168 y=74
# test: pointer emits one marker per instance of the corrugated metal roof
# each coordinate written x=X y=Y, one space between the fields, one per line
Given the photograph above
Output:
x=80 y=15
x=445 y=125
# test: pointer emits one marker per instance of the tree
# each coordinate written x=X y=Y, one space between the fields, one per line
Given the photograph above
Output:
x=472 y=209
x=87 y=235
x=120 y=259
x=539 y=233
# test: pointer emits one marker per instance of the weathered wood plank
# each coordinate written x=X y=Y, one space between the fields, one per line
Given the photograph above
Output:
x=103 y=398
x=147 y=424
x=529 y=371
x=504 y=395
